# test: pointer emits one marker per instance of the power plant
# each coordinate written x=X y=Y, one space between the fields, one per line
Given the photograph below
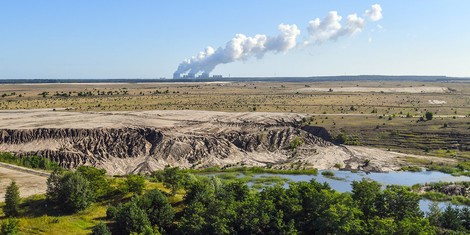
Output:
x=203 y=75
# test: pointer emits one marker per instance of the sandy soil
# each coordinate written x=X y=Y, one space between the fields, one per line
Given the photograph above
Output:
x=28 y=183
x=437 y=101
x=188 y=122
x=421 y=89
x=46 y=118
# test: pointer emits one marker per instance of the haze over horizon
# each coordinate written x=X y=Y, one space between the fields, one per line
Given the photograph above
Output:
x=148 y=39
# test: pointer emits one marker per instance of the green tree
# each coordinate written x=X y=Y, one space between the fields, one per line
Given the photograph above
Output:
x=75 y=192
x=400 y=202
x=158 y=208
x=434 y=214
x=172 y=179
x=236 y=190
x=9 y=227
x=193 y=220
x=100 y=229
x=451 y=218
x=53 y=185
x=465 y=217
x=12 y=200
x=419 y=226
x=259 y=214
x=149 y=231
x=97 y=179
x=365 y=193
x=135 y=184
x=428 y=115
x=381 y=226
x=131 y=218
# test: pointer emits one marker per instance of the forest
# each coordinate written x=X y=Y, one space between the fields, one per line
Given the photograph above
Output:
x=191 y=203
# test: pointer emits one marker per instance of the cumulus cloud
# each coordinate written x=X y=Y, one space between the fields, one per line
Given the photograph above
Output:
x=242 y=47
x=375 y=13
x=330 y=28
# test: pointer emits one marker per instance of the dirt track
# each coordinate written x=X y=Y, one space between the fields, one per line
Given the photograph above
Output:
x=29 y=181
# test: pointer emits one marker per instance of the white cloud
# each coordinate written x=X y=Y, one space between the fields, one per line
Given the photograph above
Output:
x=375 y=13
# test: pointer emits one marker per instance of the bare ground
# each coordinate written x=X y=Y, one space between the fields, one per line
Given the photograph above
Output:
x=419 y=89
x=202 y=123
x=28 y=181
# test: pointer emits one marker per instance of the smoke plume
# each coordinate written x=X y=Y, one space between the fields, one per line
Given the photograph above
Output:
x=242 y=47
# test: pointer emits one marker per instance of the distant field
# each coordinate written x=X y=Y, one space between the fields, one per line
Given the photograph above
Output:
x=377 y=113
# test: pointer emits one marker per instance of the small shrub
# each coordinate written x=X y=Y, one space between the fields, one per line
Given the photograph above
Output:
x=9 y=226
x=411 y=168
x=111 y=212
x=341 y=138
x=296 y=142
x=338 y=165
x=428 y=116
x=328 y=173
x=135 y=184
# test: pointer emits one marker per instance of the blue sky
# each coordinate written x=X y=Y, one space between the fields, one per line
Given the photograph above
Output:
x=149 y=39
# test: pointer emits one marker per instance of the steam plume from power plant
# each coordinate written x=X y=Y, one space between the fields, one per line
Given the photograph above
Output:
x=242 y=47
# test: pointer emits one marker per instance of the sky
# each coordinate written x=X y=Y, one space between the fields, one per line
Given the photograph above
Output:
x=56 y=39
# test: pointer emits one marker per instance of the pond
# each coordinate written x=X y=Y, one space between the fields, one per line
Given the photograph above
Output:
x=341 y=181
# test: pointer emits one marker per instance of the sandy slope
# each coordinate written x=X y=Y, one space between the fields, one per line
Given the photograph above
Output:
x=183 y=123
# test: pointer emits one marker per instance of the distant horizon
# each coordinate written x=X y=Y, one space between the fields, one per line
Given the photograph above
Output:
x=254 y=78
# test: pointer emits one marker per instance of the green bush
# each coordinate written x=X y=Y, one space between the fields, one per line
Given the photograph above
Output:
x=328 y=173
x=9 y=227
x=111 y=212
x=412 y=168
x=428 y=115
x=135 y=184
x=295 y=143
x=100 y=229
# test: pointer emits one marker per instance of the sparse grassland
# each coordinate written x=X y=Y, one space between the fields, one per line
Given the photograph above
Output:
x=383 y=114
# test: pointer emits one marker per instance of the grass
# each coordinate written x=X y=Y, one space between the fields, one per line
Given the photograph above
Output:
x=37 y=218
x=440 y=197
x=412 y=168
x=254 y=170
x=328 y=173
x=331 y=175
